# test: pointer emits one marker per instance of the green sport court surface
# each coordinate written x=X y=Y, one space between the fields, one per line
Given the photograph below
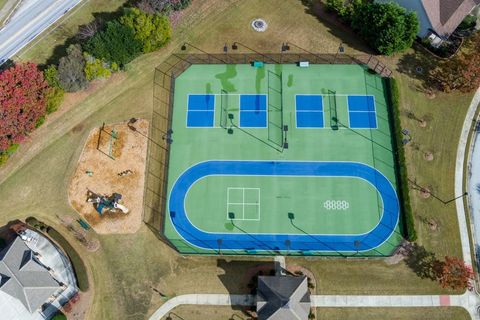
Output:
x=235 y=187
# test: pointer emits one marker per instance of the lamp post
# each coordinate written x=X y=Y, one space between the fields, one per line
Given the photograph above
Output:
x=287 y=244
x=219 y=242
x=285 y=47
x=340 y=49
x=186 y=44
x=236 y=44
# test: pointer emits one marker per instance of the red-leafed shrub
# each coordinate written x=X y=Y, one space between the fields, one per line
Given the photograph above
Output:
x=22 y=102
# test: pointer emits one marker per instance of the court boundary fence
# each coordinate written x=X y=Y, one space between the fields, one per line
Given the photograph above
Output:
x=160 y=131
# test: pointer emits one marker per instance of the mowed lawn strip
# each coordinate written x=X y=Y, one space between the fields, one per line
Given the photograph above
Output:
x=126 y=265
x=442 y=313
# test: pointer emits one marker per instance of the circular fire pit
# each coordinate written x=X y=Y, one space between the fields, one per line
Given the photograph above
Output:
x=259 y=25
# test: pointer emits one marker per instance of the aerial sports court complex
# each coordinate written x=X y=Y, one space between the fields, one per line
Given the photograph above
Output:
x=281 y=159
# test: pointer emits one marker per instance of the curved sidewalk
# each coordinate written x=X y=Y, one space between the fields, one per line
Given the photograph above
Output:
x=459 y=177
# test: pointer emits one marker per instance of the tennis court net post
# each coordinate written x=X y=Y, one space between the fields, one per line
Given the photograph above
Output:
x=332 y=99
x=224 y=109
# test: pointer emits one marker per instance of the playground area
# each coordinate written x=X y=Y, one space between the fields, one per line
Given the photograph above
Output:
x=107 y=186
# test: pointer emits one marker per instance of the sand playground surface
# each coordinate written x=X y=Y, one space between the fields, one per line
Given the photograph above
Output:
x=112 y=165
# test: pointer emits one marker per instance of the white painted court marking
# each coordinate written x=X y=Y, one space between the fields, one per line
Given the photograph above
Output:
x=336 y=205
x=242 y=203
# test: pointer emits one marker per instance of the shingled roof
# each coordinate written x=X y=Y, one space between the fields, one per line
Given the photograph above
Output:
x=283 y=298
x=24 y=278
x=446 y=15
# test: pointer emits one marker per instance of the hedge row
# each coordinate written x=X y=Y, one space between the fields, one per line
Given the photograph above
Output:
x=402 y=176
x=77 y=262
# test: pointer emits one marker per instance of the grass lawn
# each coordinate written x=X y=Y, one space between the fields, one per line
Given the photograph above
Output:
x=7 y=6
x=442 y=313
x=126 y=268
x=436 y=222
x=222 y=313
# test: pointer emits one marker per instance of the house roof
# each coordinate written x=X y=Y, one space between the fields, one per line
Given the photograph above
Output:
x=446 y=15
x=23 y=277
x=283 y=298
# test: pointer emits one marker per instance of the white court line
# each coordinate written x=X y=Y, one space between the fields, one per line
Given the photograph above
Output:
x=243 y=203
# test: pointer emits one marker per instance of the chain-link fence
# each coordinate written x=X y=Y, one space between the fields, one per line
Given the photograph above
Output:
x=163 y=91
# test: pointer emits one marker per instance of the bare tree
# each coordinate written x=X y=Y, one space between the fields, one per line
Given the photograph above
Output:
x=145 y=6
x=88 y=30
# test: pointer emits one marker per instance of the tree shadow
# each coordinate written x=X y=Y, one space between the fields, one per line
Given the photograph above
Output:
x=422 y=262
x=419 y=65
x=7 y=65
x=236 y=278
x=335 y=27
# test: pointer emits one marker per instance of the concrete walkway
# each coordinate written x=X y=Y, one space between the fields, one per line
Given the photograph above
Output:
x=394 y=301
x=459 y=177
x=204 y=299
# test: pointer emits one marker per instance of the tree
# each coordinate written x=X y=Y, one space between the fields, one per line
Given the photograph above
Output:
x=162 y=6
x=70 y=70
x=55 y=92
x=387 y=27
x=461 y=72
x=88 y=30
x=97 y=68
x=22 y=102
x=152 y=30
x=454 y=273
x=116 y=44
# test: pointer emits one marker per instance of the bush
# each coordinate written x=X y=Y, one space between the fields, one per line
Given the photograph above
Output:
x=469 y=22
x=96 y=68
x=55 y=92
x=54 y=98
x=116 y=44
x=401 y=172
x=22 y=102
x=5 y=154
x=162 y=6
x=334 y=5
x=39 y=122
x=387 y=27
x=51 y=76
x=70 y=70
x=152 y=30
x=59 y=316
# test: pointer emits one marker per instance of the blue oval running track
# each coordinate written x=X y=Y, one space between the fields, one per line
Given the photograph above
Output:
x=241 y=240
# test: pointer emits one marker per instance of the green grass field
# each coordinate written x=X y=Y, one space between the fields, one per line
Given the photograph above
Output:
x=261 y=204
x=222 y=313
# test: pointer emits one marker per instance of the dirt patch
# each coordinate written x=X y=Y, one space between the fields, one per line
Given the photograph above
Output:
x=112 y=161
x=78 y=128
x=76 y=309
x=428 y=156
x=425 y=193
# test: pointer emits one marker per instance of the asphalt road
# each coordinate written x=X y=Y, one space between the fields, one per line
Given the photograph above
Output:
x=30 y=21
